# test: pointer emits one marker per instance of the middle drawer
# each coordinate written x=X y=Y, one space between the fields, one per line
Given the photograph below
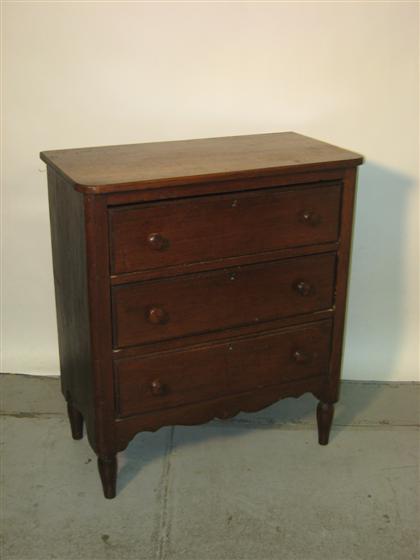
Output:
x=197 y=303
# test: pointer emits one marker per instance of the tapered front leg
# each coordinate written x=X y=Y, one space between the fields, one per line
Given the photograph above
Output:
x=324 y=416
x=76 y=421
x=108 y=471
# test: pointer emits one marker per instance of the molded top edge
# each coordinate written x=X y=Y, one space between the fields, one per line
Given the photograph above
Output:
x=110 y=169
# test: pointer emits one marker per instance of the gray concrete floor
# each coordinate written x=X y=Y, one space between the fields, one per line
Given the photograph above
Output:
x=257 y=487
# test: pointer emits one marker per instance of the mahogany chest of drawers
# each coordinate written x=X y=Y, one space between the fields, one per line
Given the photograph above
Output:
x=197 y=279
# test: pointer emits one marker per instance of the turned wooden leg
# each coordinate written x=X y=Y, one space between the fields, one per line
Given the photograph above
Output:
x=324 y=416
x=76 y=421
x=108 y=470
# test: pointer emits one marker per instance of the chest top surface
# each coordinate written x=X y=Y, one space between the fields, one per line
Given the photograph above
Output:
x=111 y=169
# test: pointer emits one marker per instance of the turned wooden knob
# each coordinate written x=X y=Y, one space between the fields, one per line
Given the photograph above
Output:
x=310 y=218
x=157 y=315
x=303 y=288
x=157 y=387
x=157 y=241
x=301 y=357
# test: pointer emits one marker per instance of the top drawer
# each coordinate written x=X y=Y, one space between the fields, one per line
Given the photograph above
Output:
x=161 y=234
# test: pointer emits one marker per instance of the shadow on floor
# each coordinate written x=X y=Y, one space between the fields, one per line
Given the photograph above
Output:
x=360 y=404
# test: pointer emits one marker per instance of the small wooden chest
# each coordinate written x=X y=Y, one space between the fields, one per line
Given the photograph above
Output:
x=196 y=279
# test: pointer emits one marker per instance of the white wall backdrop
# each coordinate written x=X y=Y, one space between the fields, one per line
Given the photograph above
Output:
x=92 y=73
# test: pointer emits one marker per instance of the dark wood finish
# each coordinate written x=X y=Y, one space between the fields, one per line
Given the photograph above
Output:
x=96 y=224
x=324 y=416
x=176 y=307
x=343 y=261
x=76 y=421
x=203 y=187
x=202 y=266
x=271 y=359
x=222 y=407
x=107 y=467
x=113 y=168
x=198 y=279
x=156 y=235
x=67 y=218
x=225 y=334
x=171 y=379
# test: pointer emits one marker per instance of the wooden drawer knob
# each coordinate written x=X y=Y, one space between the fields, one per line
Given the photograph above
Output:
x=157 y=388
x=301 y=357
x=157 y=316
x=157 y=241
x=303 y=288
x=310 y=218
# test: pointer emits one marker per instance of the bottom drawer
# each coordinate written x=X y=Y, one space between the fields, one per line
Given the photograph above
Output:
x=171 y=379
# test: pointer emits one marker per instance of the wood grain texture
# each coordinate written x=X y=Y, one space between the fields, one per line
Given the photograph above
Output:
x=116 y=168
x=222 y=407
x=171 y=379
x=67 y=219
x=218 y=300
x=158 y=235
x=208 y=187
x=96 y=227
x=220 y=336
x=217 y=264
x=342 y=277
x=198 y=279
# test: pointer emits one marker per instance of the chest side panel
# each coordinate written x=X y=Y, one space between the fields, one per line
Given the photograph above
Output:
x=67 y=219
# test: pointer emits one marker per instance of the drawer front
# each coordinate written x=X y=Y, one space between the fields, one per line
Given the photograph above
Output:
x=176 y=378
x=197 y=303
x=161 y=234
